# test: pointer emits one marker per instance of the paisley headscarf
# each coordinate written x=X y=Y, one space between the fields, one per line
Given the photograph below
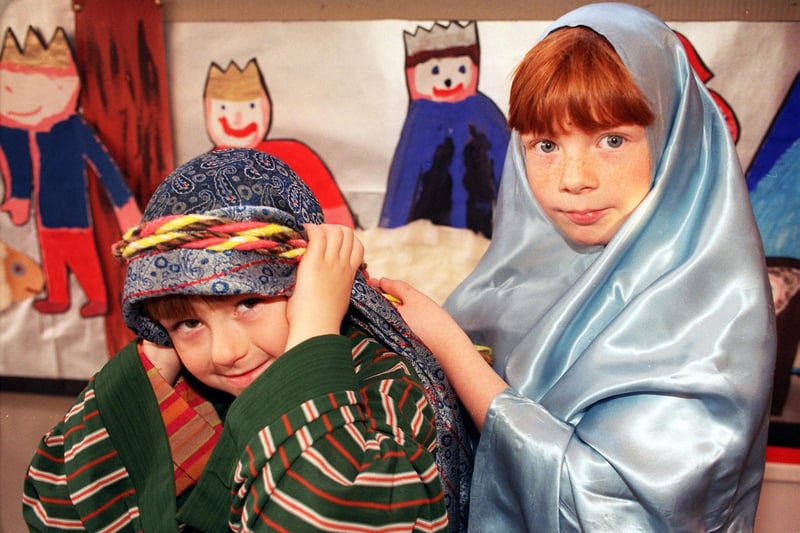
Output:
x=226 y=196
x=639 y=371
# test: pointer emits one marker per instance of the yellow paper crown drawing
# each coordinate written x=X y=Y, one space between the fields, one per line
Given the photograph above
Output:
x=440 y=38
x=234 y=83
x=36 y=53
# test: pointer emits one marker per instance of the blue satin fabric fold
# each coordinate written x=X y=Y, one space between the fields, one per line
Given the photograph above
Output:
x=640 y=371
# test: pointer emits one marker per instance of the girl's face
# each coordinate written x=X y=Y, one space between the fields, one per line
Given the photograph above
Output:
x=229 y=341
x=589 y=183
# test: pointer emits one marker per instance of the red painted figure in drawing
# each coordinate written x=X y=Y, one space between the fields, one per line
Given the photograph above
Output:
x=238 y=113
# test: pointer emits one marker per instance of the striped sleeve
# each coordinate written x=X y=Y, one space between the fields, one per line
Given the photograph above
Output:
x=76 y=481
x=350 y=458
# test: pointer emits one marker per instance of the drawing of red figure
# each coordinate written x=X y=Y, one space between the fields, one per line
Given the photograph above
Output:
x=705 y=75
x=238 y=114
x=45 y=145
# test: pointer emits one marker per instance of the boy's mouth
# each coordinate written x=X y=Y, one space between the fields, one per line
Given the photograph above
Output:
x=245 y=378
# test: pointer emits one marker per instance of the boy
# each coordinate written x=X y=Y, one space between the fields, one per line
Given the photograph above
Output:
x=275 y=396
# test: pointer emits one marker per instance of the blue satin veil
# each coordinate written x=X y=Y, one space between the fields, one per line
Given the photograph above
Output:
x=639 y=372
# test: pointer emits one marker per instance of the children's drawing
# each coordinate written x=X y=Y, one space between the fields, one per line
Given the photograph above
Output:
x=449 y=158
x=773 y=180
x=20 y=276
x=705 y=74
x=45 y=146
x=238 y=114
x=775 y=194
x=121 y=58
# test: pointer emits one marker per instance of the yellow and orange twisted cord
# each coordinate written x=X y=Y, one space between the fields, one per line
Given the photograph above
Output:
x=219 y=234
x=210 y=233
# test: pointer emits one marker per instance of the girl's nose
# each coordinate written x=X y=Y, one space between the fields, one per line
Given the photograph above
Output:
x=577 y=175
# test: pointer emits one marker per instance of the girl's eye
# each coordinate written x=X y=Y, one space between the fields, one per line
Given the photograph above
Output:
x=222 y=107
x=614 y=141
x=435 y=70
x=252 y=105
x=546 y=146
x=462 y=69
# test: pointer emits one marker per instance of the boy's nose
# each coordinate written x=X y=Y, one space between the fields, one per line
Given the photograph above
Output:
x=229 y=347
x=577 y=175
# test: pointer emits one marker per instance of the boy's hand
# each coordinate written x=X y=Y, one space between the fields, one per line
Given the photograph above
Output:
x=324 y=281
x=164 y=359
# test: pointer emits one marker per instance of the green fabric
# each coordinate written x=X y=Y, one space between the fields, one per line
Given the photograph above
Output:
x=345 y=400
x=129 y=410
x=310 y=369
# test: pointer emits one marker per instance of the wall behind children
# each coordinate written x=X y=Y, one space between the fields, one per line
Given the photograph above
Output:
x=336 y=78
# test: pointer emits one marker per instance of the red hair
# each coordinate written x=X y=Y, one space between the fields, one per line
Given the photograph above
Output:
x=574 y=77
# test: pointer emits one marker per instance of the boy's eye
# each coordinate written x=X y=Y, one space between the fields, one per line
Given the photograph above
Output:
x=462 y=69
x=189 y=323
x=435 y=70
x=614 y=141
x=249 y=303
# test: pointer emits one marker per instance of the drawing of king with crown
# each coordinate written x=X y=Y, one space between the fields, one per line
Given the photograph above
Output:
x=238 y=113
x=448 y=161
x=45 y=146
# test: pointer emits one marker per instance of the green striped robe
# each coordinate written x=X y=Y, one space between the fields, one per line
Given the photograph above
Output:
x=335 y=436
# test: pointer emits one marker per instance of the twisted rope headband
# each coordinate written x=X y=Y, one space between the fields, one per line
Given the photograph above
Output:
x=221 y=234
x=210 y=233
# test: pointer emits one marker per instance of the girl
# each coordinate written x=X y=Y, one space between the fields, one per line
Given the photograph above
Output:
x=624 y=295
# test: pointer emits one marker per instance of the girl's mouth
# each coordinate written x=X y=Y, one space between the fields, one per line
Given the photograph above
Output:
x=585 y=217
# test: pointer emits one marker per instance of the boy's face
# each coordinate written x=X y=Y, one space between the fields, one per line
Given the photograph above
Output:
x=226 y=342
x=589 y=183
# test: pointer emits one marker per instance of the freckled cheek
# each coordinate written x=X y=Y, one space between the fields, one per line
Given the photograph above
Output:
x=634 y=179
x=543 y=182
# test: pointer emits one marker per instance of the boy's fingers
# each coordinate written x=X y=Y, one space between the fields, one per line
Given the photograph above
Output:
x=334 y=242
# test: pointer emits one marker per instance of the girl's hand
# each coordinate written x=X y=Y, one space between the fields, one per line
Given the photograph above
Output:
x=164 y=359
x=431 y=323
x=324 y=281
x=474 y=381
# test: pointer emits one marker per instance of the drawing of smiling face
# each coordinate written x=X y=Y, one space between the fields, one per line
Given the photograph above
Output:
x=36 y=98
x=237 y=123
x=443 y=79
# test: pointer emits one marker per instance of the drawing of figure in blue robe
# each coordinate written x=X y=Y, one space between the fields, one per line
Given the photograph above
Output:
x=449 y=158
x=774 y=182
